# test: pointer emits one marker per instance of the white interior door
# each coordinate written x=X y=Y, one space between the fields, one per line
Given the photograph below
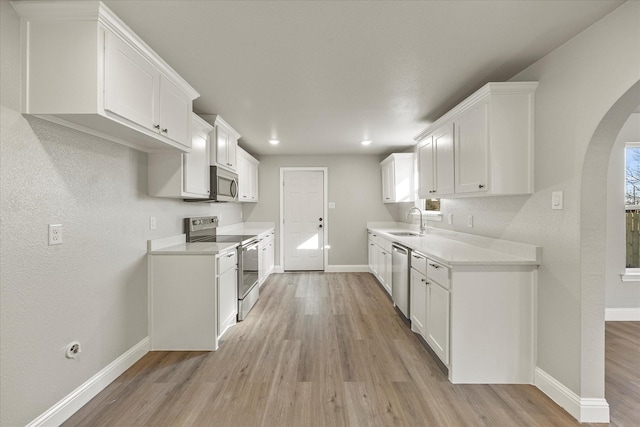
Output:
x=304 y=222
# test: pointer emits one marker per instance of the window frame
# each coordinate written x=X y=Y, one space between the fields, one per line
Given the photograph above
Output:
x=630 y=274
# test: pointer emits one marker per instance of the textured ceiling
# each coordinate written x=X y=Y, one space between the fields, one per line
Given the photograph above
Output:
x=323 y=75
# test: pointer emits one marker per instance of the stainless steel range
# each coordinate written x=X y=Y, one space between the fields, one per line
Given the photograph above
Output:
x=203 y=229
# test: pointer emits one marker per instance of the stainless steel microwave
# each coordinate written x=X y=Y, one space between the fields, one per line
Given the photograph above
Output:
x=223 y=186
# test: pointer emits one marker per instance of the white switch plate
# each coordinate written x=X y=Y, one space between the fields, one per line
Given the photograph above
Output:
x=450 y=218
x=152 y=223
x=332 y=205
x=557 y=200
x=55 y=234
x=470 y=221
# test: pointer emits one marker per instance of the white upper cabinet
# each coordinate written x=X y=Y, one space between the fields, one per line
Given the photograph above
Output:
x=484 y=146
x=247 y=176
x=397 y=178
x=226 y=139
x=183 y=175
x=84 y=68
x=436 y=164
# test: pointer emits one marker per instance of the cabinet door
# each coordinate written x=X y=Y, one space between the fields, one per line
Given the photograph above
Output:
x=131 y=84
x=196 y=164
x=388 y=183
x=253 y=181
x=426 y=165
x=244 y=177
x=471 y=145
x=174 y=112
x=222 y=146
x=262 y=260
x=443 y=160
x=232 y=149
x=418 y=306
x=372 y=258
x=438 y=321
x=388 y=271
x=271 y=257
x=227 y=299
x=384 y=269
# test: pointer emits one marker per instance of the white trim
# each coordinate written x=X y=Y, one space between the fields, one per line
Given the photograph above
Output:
x=630 y=275
x=347 y=269
x=585 y=410
x=68 y=406
x=622 y=314
x=277 y=269
x=325 y=171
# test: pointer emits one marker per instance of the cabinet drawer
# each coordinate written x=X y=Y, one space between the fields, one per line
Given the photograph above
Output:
x=419 y=262
x=374 y=238
x=438 y=273
x=226 y=261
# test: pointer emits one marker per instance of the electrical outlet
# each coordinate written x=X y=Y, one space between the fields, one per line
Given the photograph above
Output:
x=73 y=348
x=470 y=221
x=55 y=234
x=450 y=218
x=152 y=223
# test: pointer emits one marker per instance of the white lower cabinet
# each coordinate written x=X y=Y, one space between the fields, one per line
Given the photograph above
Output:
x=227 y=282
x=183 y=314
x=266 y=256
x=380 y=260
x=477 y=319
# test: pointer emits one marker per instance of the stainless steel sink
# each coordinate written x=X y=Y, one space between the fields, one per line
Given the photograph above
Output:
x=403 y=233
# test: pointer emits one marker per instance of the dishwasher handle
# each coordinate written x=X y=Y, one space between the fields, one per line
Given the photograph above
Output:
x=400 y=249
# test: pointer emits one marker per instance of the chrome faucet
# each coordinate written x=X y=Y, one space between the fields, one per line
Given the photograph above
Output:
x=422 y=227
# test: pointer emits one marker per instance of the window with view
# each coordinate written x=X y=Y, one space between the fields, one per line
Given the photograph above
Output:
x=632 y=205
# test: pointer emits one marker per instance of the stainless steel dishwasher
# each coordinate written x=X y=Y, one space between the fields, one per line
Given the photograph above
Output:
x=400 y=278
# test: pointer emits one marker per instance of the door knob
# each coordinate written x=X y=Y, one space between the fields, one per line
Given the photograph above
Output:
x=320 y=226
x=319 y=219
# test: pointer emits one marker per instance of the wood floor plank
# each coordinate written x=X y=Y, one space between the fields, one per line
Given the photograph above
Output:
x=331 y=350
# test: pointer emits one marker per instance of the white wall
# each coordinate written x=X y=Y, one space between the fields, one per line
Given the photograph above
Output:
x=355 y=186
x=93 y=288
x=619 y=294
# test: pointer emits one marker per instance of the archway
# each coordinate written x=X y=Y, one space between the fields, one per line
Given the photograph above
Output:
x=593 y=215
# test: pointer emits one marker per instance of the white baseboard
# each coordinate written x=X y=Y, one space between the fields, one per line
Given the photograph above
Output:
x=277 y=269
x=347 y=269
x=68 y=406
x=622 y=314
x=585 y=410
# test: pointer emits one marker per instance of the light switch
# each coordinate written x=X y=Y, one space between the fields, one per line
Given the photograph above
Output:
x=332 y=205
x=557 y=201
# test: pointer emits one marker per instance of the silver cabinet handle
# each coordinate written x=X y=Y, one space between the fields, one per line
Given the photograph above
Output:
x=165 y=130
x=417 y=257
x=156 y=126
x=434 y=265
x=230 y=255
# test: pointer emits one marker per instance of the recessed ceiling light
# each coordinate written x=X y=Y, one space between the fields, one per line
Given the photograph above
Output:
x=366 y=142
x=274 y=142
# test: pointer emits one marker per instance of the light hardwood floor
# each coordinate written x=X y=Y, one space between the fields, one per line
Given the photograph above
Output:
x=329 y=350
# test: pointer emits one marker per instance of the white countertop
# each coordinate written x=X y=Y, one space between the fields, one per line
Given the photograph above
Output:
x=198 y=248
x=453 y=248
x=177 y=245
